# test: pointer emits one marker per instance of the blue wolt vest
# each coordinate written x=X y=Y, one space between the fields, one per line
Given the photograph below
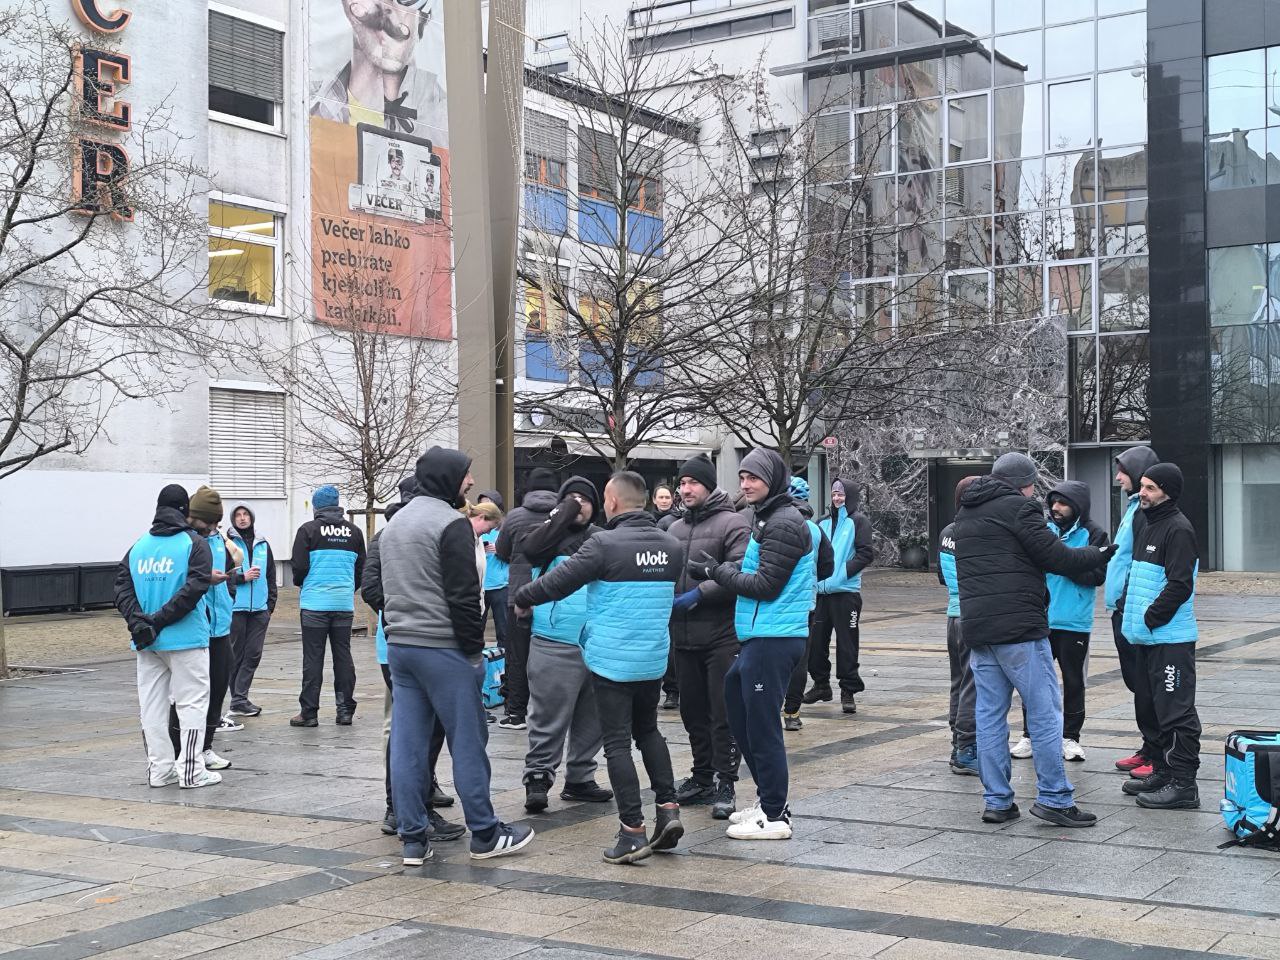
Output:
x=158 y=566
x=841 y=538
x=788 y=614
x=251 y=596
x=1146 y=581
x=1071 y=605
x=219 y=595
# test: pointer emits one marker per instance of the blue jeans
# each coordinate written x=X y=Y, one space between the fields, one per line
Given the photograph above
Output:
x=437 y=686
x=999 y=669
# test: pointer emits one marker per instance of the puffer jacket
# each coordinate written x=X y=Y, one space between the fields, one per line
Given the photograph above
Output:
x=1003 y=550
x=547 y=546
x=630 y=570
x=535 y=507
x=777 y=580
x=947 y=568
x=1160 y=600
x=717 y=529
x=1135 y=462
x=328 y=561
x=849 y=531
x=1071 y=598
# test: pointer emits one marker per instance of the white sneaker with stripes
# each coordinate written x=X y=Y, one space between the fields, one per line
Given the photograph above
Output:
x=205 y=778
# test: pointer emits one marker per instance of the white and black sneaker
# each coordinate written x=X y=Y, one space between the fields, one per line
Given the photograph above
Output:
x=230 y=725
x=760 y=827
x=512 y=723
x=506 y=839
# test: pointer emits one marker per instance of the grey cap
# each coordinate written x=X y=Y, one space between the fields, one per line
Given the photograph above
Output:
x=1016 y=469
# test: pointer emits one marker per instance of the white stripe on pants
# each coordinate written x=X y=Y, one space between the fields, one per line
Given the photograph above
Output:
x=180 y=677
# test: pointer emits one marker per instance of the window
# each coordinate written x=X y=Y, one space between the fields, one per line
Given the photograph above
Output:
x=967 y=129
x=873 y=141
x=246 y=70
x=644 y=179
x=711 y=32
x=1244 y=284
x=1243 y=146
x=244 y=255
x=597 y=164
x=542 y=314
x=1071 y=115
x=246 y=442
x=830 y=35
x=546 y=150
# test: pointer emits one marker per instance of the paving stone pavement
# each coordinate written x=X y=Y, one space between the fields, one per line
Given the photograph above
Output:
x=889 y=858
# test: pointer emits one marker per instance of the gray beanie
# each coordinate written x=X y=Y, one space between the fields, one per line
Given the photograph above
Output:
x=1016 y=469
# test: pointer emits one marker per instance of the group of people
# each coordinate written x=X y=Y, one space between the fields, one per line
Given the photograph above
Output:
x=1022 y=589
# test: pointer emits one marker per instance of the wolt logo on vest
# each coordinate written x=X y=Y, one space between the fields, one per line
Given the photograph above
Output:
x=652 y=559
x=329 y=530
x=155 y=565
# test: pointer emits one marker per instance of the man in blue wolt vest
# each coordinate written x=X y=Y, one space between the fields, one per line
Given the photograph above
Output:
x=160 y=591
x=776 y=584
x=964 y=695
x=255 y=603
x=629 y=571
x=328 y=564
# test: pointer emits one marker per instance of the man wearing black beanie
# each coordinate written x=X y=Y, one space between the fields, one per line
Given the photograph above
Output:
x=1160 y=621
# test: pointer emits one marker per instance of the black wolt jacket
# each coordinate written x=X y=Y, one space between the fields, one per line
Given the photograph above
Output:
x=1075 y=494
x=717 y=529
x=1003 y=550
x=560 y=535
x=312 y=538
x=533 y=510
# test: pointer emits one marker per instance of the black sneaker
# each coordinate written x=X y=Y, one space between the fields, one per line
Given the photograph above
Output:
x=507 y=838
x=388 y=825
x=1136 y=785
x=693 y=792
x=667 y=829
x=535 y=793
x=672 y=702
x=438 y=797
x=1174 y=795
x=245 y=709
x=1009 y=814
x=302 y=720
x=1071 y=816
x=846 y=703
x=587 y=792
x=512 y=723
x=440 y=829
x=791 y=721
x=724 y=803
x=629 y=848
x=818 y=692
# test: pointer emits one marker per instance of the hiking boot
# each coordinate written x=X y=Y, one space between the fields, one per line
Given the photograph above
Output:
x=629 y=848
x=438 y=797
x=792 y=721
x=964 y=762
x=996 y=815
x=667 y=829
x=512 y=723
x=760 y=827
x=536 y=789
x=587 y=792
x=506 y=839
x=1071 y=750
x=214 y=762
x=1148 y=784
x=416 y=854
x=1128 y=763
x=1022 y=749
x=1071 y=816
x=722 y=805
x=389 y=826
x=302 y=720
x=672 y=701
x=693 y=792
x=846 y=703
x=1174 y=795
x=343 y=718
x=245 y=709
x=442 y=830
x=819 y=692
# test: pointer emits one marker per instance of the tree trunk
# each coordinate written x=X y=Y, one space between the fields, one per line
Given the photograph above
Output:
x=4 y=654
x=370 y=521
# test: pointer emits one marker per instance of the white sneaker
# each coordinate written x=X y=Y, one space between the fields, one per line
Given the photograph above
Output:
x=230 y=725
x=1021 y=750
x=214 y=762
x=167 y=779
x=205 y=778
x=1071 y=750
x=739 y=816
x=760 y=827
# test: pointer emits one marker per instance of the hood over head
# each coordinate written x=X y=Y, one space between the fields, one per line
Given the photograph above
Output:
x=985 y=489
x=168 y=521
x=804 y=506
x=409 y=489
x=540 y=478
x=250 y=534
x=493 y=496
x=852 y=494
x=769 y=467
x=1135 y=462
x=585 y=487
x=440 y=472
x=1076 y=495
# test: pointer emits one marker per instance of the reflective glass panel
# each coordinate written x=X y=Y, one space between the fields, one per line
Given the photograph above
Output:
x=1122 y=107
x=968 y=190
x=1064 y=11
x=1236 y=91
x=1069 y=233
x=920 y=247
x=1250 y=504
x=1019 y=58
x=1070 y=179
x=969 y=298
x=1019 y=185
x=1122 y=42
x=1019 y=119
x=242 y=271
x=873 y=141
x=258 y=223
x=919 y=197
x=1240 y=378
x=920 y=78
x=921 y=303
x=875 y=87
x=1238 y=285
x=1119 y=6
x=968 y=71
x=1071 y=295
x=920 y=135
x=1068 y=51
x=878 y=27
x=968 y=242
x=1238 y=159
x=1124 y=297
x=967 y=129
x=969 y=16
x=830 y=91
x=1082 y=373
x=1019 y=293
x=1273 y=84
x=1124 y=378
x=1017 y=15
x=1122 y=173
x=873 y=307
x=1070 y=115
x=1123 y=228
x=1019 y=238
x=916 y=26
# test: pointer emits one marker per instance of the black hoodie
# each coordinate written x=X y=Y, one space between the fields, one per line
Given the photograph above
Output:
x=535 y=508
x=168 y=522
x=561 y=534
x=371 y=582
x=1076 y=495
x=1003 y=550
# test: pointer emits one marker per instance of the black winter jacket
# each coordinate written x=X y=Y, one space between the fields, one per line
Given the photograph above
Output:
x=535 y=508
x=718 y=530
x=1003 y=550
x=1168 y=540
x=560 y=535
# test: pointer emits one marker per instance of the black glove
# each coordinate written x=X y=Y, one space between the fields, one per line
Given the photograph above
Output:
x=703 y=568
x=1108 y=551
x=143 y=635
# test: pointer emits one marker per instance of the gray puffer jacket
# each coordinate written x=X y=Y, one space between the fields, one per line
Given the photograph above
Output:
x=720 y=531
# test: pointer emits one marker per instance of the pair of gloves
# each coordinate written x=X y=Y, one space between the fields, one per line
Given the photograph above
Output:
x=703 y=568
x=143 y=633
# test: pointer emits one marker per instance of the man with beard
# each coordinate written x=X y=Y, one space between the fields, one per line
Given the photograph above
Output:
x=255 y=602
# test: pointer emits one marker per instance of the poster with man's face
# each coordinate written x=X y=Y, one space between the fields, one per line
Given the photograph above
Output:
x=379 y=165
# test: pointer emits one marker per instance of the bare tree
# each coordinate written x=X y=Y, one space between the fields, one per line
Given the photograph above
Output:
x=621 y=324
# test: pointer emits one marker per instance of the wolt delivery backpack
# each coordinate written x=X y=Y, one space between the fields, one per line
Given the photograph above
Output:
x=1251 y=805
x=495 y=668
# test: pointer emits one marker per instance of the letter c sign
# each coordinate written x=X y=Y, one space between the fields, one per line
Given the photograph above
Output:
x=89 y=12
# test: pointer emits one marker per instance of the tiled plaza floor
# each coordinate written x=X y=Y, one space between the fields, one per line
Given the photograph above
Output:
x=889 y=859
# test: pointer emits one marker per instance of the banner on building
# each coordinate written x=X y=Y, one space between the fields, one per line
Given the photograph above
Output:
x=381 y=248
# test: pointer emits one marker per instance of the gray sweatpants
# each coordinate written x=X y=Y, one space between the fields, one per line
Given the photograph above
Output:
x=964 y=696
x=562 y=706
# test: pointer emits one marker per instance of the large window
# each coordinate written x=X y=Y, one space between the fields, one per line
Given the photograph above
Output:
x=546 y=163
x=1244 y=344
x=246 y=70
x=246 y=442
x=244 y=255
x=1243 y=144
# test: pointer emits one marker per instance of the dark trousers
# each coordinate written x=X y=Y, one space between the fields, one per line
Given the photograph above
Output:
x=331 y=628
x=1170 y=673
x=515 y=678
x=1071 y=650
x=753 y=691
x=1133 y=671
x=437 y=744
x=629 y=711
x=219 y=670
x=248 y=633
x=795 y=687
x=495 y=602
x=701 y=675
x=964 y=693
x=671 y=679
x=840 y=612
